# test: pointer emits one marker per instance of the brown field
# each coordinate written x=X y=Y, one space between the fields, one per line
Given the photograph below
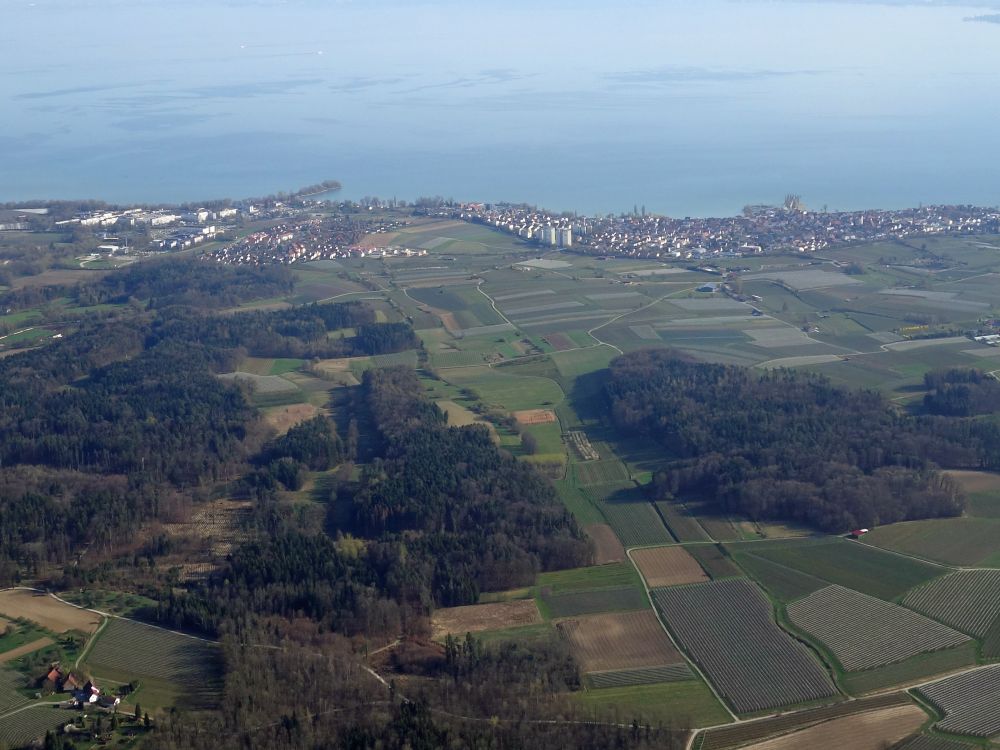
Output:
x=668 y=566
x=342 y=364
x=459 y=416
x=27 y=648
x=535 y=416
x=625 y=640
x=607 y=547
x=47 y=611
x=869 y=731
x=381 y=239
x=477 y=617
x=284 y=418
x=217 y=522
x=976 y=481
x=560 y=341
x=55 y=276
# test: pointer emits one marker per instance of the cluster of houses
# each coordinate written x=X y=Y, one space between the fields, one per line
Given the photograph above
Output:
x=311 y=240
x=758 y=229
x=82 y=693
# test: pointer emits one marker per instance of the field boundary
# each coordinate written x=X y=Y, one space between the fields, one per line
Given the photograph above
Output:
x=694 y=667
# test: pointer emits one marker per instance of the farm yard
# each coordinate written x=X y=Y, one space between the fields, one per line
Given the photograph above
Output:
x=864 y=632
x=725 y=626
x=969 y=702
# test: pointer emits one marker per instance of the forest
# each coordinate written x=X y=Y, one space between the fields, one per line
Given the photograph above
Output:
x=442 y=515
x=124 y=421
x=318 y=696
x=961 y=393
x=789 y=445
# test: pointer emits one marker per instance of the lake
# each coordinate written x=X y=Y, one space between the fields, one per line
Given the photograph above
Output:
x=686 y=108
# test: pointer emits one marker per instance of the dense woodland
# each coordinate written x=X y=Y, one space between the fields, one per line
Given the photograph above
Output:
x=790 y=445
x=961 y=393
x=443 y=513
x=304 y=332
x=318 y=697
x=125 y=421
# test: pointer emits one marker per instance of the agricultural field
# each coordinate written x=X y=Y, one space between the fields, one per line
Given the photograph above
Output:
x=926 y=742
x=31 y=723
x=912 y=671
x=969 y=702
x=852 y=565
x=10 y=683
x=863 y=632
x=955 y=541
x=633 y=518
x=727 y=628
x=644 y=676
x=589 y=578
x=173 y=669
x=785 y=584
x=679 y=704
x=668 y=566
x=681 y=522
x=476 y=617
x=607 y=471
x=873 y=730
x=47 y=611
x=27 y=648
x=625 y=641
x=757 y=730
x=982 y=490
x=607 y=588
x=574 y=604
x=967 y=600
x=712 y=558
x=607 y=547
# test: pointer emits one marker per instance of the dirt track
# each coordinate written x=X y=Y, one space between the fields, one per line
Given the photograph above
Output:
x=27 y=648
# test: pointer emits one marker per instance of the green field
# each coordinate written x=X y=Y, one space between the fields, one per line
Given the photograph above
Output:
x=582 y=579
x=784 y=583
x=578 y=603
x=854 y=566
x=677 y=704
x=172 y=669
x=915 y=669
x=955 y=541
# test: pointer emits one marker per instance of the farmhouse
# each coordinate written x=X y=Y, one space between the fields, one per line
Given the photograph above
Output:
x=858 y=533
x=91 y=695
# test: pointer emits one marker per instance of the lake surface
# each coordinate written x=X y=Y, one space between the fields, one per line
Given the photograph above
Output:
x=688 y=108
